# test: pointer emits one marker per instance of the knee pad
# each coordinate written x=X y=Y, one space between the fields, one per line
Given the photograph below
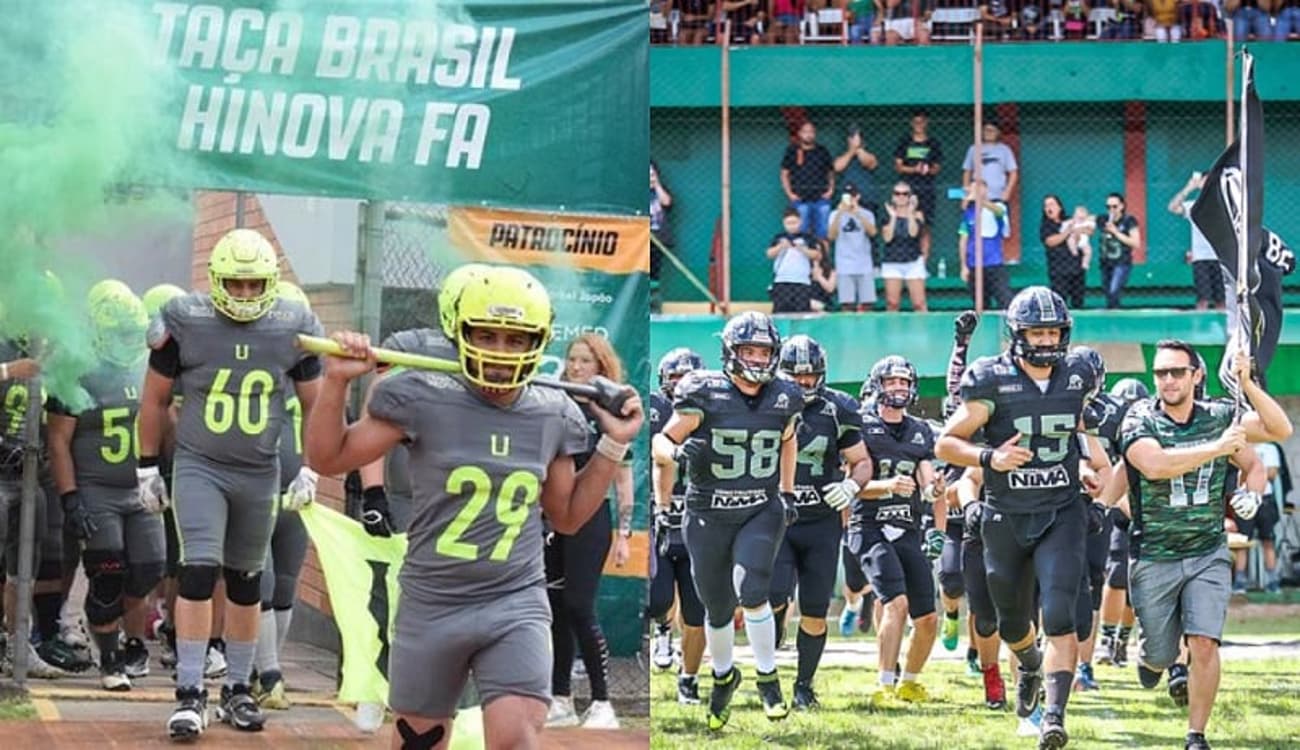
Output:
x=106 y=582
x=952 y=584
x=196 y=582
x=243 y=587
x=51 y=570
x=142 y=577
x=985 y=627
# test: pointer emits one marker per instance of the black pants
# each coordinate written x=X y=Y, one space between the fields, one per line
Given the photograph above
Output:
x=897 y=568
x=674 y=574
x=807 y=555
x=854 y=578
x=951 y=582
x=1047 y=548
x=997 y=287
x=573 y=567
x=1071 y=284
x=791 y=298
x=732 y=555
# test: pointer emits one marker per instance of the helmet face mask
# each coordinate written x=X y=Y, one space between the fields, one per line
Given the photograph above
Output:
x=674 y=365
x=1038 y=308
x=802 y=356
x=243 y=255
x=750 y=329
x=889 y=368
x=503 y=323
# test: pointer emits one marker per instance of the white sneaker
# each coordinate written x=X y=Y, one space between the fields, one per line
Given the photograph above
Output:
x=216 y=664
x=36 y=666
x=600 y=715
x=369 y=717
x=663 y=657
x=562 y=713
x=579 y=670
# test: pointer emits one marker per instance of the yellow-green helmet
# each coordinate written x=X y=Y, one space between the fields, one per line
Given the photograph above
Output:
x=451 y=286
x=291 y=291
x=104 y=288
x=506 y=298
x=158 y=295
x=243 y=254
x=119 y=322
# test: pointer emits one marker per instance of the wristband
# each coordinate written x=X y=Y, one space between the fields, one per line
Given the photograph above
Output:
x=146 y=462
x=986 y=458
x=4 y=370
x=611 y=449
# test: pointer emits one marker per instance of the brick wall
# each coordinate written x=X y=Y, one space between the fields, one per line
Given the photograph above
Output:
x=214 y=215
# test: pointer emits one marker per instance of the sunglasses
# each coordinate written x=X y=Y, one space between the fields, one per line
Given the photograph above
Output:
x=902 y=192
x=1112 y=205
x=1177 y=373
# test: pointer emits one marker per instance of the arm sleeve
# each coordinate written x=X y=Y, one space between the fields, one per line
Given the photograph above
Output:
x=309 y=366
x=166 y=359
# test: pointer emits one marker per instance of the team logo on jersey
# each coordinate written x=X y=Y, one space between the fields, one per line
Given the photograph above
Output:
x=1034 y=479
x=500 y=445
x=241 y=351
x=828 y=410
x=736 y=499
x=805 y=496
x=1010 y=388
x=439 y=380
x=719 y=396
x=782 y=401
x=918 y=439
x=895 y=513
x=1075 y=383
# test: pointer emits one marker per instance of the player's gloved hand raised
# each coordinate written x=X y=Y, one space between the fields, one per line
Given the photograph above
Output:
x=1096 y=517
x=374 y=512
x=151 y=487
x=839 y=494
x=791 y=508
x=934 y=541
x=76 y=519
x=302 y=490
x=1245 y=503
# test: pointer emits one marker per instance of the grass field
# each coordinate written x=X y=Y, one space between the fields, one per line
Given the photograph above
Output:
x=1258 y=706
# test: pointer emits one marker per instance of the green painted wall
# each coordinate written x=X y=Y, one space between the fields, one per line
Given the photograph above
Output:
x=1070 y=130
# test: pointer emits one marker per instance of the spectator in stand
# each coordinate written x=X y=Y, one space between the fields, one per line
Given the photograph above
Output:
x=1034 y=21
x=998 y=166
x=1128 y=20
x=862 y=14
x=1288 y=19
x=748 y=19
x=1249 y=19
x=808 y=179
x=1120 y=236
x=918 y=158
x=787 y=15
x=1199 y=19
x=1075 y=24
x=998 y=18
x=904 y=20
x=1164 y=16
x=1207 y=274
x=792 y=253
x=991 y=217
x=856 y=166
x=825 y=278
x=851 y=229
x=660 y=202
x=902 y=258
x=693 y=25
x=1263 y=527
x=1065 y=269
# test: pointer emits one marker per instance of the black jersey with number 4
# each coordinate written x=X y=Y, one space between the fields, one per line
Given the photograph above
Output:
x=830 y=424
x=897 y=449
x=735 y=453
x=1047 y=420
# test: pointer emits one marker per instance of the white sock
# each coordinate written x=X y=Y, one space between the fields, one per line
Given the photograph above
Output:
x=887 y=677
x=720 y=642
x=282 y=619
x=268 y=659
x=760 y=626
x=909 y=677
x=856 y=605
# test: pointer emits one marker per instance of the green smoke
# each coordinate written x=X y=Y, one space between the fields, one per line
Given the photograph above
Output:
x=78 y=94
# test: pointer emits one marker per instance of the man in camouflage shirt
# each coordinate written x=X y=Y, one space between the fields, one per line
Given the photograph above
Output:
x=1177 y=449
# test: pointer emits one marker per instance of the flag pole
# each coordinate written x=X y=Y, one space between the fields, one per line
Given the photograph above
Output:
x=1243 y=231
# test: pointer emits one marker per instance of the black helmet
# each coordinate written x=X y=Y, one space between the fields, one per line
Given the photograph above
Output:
x=752 y=329
x=1094 y=358
x=1038 y=307
x=1129 y=390
x=675 y=364
x=894 y=366
x=802 y=355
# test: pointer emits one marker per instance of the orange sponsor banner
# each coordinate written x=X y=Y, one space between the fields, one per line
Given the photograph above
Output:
x=609 y=244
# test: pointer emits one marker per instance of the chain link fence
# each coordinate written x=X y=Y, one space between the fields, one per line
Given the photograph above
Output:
x=405 y=255
x=1082 y=157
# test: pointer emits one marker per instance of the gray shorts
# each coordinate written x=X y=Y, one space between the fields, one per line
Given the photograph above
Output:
x=224 y=514
x=856 y=288
x=11 y=493
x=123 y=525
x=1178 y=598
x=506 y=646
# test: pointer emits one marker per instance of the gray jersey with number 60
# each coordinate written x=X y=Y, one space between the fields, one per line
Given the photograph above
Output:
x=232 y=375
x=477 y=471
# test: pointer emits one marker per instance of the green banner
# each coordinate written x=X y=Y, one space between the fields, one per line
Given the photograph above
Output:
x=492 y=103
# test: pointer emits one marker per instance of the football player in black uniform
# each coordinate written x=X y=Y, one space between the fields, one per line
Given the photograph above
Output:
x=952 y=586
x=737 y=430
x=885 y=534
x=1029 y=400
x=830 y=436
x=1117 y=616
x=672 y=574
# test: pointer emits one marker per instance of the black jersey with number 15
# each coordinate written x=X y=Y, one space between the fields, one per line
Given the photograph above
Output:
x=1047 y=420
x=735 y=453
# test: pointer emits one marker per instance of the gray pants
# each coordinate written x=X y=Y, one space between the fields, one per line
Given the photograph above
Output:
x=123 y=525
x=507 y=647
x=284 y=563
x=1178 y=598
x=224 y=514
